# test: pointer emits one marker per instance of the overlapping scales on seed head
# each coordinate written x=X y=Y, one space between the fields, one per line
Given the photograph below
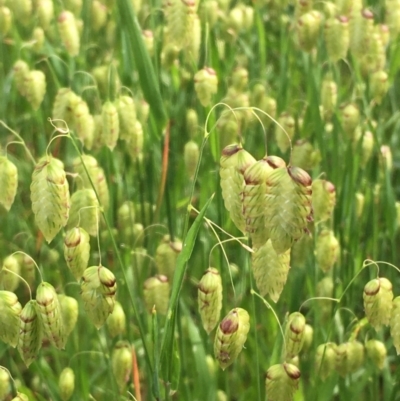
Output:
x=8 y=182
x=282 y=382
x=10 y=310
x=77 y=251
x=294 y=334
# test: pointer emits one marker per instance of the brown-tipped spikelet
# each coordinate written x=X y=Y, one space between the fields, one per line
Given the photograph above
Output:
x=323 y=199
x=77 y=251
x=270 y=270
x=66 y=383
x=294 y=334
x=34 y=87
x=69 y=312
x=233 y=163
x=282 y=382
x=337 y=37
x=205 y=84
x=325 y=360
x=166 y=255
x=8 y=182
x=110 y=132
x=10 y=310
x=254 y=197
x=69 y=34
x=49 y=309
x=307 y=28
x=30 y=333
x=327 y=250
x=156 y=293
x=84 y=211
x=231 y=336
x=11 y=269
x=97 y=177
x=121 y=362
x=395 y=324
x=283 y=138
x=288 y=206
x=376 y=351
x=116 y=322
x=50 y=196
x=378 y=296
x=209 y=297
x=20 y=70
x=98 y=290
x=191 y=154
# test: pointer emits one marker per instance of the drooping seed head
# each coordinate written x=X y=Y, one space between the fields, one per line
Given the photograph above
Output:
x=10 y=310
x=116 y=322
x=294 y=334
x=77 y=251
x=121 y=362
x=66 y=383
x=376 y=351
x=206 y=85
x=69 y=312
x=325 y=360
x=156 y=293
x=281 y=382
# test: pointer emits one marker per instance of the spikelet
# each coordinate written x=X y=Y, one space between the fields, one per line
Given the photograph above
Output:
x=166 y=255
x=20 y=397
x=121 y=362
x=205 y=84
x=288 y=206
x=10 y=310
x=191 y=154
x=35 y=87
x=374 y=58
x=294 y=334
x=127 y=117
x=62 y=103
x=350 y=120
x=356 y=360
x=395 y=324
x=135 y=143
x=22 y=11
x=328 y=97
x=301 y=251
x=84 y=211
x=30 y=333
x=282 y=382
x=77 y=251
x=304 y=155
x=97 y=176
x=307 y=338
x=148 y=39
x=4 y=383
x=110 y=132
x=326 y=250
x=254 y=197
x=69 y=311
x=156 y=293
x=20 y=70
x=69 y=34
x=379 y=85
x=358 y=32
x=116 y=322
x=49 y=309
x=337 y=37
x=66 y=383
x=83 y=121
x=50 y=196
x=378 y=298
x=28 y=269
x=323 y=199
x=282 y=137
x=307 y=28
x=5 y=20
x=209 y=298
x=343 y=359
x=377 y=352
x=98 y=15
x=360 y=200
x=8 y=280
x=270 y=270
x=230 y=336
x=38 y=37
x=45 y=13
x=325 y=360
x=105 y=80
x=233 y=163
x=98 y=290
x=393 y=17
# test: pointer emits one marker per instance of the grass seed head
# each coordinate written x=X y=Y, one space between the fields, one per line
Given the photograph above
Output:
x=156 y=293
x=281 y=382
x=323 y=199
x=20 y=397
x=376 y=351
x=325 y=360
x=10 y=310
x=328 y=97
x=337 y=37
x=127 y=116
x=77 y=251
x=116 y=322
x=5 y=20
x=110 y=132
x=8 y=280
x=205 y=84
x=282 y=137
x=136 y=142
x=69 y=33
x=307 y=29
x=121 y=362
x=305 y=155
x=191 y=154
x=209 y=296
x=20 y=69
x=379 y=85
x=327 y=250
x=98 y=15
x=395 y=324
x=166 y=256
x=61 y=103
x=4 y=384
x=350 y=119
x=230 y=336
x=66 y=383
x=45 y=13
x=294 y=334
x=356 y=359
x=69 y=312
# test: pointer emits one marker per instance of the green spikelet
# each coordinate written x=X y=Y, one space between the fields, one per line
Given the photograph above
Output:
x=50 y=196
x=20 y=397
x=288 y=206
x=307 y=28
x=10 y=310
x=83 y=122
x=376 y=351
x=84 y=211
x=136 y=141
x=8 y=182
x=20 y=70
x=127 y=117
x=395 y=324
x=50 y=314
x=205 y=84
x=230 y=336
x=308 y=338
x=301 y=251
x=28 y=269
x=325 y=288
x=270 y=270
x=116 y=322
x=266 y=103
x=233 y=163
x=379 y=85
x=121 y=362
x=304 y=155
x=69 y=34
x=166 y=255
x=378 y=296
x=282 y=138
x=5 y=20
x=337 y=37
x=356 y=359
x=228 y=128
x=254 y=197
x=97 y=176
x=126 y=215
x=77 y=251
x=4 y=384
x=156 y=293
x=35 y=87
x=30 y=333
x=38 y=37
x=8 y=280
x=294 y=334
x=328 y=97
x=45 y=13
x=62 y=103
x=282 y=382
x=350 y=120
x=191 y=154
x=325 y=360
x=66 y=383
x=98 y=15
x=209 y=297
x=393 y=17
x=323 y=199
x=327 y=250
x=360 y=200
x=343 y=358
x=22 y=10
x=69 y=312
x=110 y=132
x=98 y=290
